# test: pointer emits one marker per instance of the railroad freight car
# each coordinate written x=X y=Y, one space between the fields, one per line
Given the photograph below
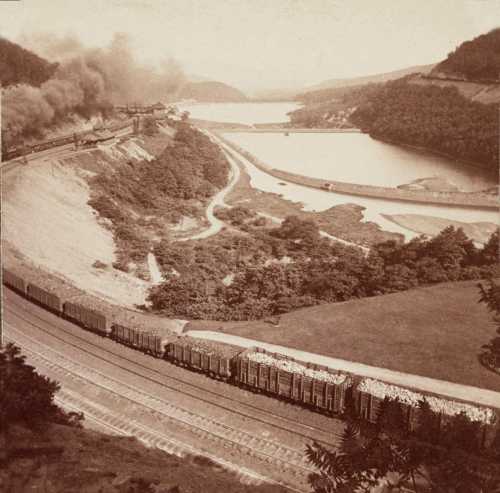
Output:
x=370 y=393
x=89 y=319
x=212 y=359
x=45 y=298
x=145 y=341
x=313 y=385
x=14 y=282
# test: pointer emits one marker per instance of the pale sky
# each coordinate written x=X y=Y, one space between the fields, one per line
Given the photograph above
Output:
x=256 y=44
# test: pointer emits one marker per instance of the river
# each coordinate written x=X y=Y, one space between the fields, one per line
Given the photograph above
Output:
x=353 y=158
x=356 y=158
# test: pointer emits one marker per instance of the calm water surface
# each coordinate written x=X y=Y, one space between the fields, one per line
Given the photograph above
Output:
x=356 y=158
x=352 y=158
x=374 y=209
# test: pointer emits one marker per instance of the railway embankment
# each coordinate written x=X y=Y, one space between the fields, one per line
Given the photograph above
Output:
x=47 y=219
x=458 y=199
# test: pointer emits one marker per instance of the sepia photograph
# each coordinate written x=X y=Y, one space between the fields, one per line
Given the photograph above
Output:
x=250 y=246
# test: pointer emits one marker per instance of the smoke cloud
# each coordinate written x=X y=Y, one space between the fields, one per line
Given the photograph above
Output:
x=87 y=83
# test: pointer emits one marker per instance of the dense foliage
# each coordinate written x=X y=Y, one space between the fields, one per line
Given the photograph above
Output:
x=18 y=65
x=347 y=95
x=191 y=168
x=276 y=270
x=437 y=118
x=423 y=459
x=173 y=185
x=26 y=398
x=490 y=296
x=477 y=60
x=325 y=108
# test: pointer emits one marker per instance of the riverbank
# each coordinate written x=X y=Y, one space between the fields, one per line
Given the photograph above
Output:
x=479 y=232
x=456 y=199
x=343 y=221
x=432 y=152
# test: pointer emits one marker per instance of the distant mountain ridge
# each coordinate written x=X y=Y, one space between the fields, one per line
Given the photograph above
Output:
x=211 y=91
x=287 y=94
x=369 y=79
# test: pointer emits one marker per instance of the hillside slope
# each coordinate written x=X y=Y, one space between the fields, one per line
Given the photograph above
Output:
x=46 y=217
x=451 y=110
x=95 y=462
x=435 y=118
x=211 y=92
x=475 y=60
x=18 y=65
x=370 y=79
x=481 y=92
x=473 y=68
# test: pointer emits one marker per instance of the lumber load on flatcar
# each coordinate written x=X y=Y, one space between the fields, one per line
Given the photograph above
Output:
x=313 y=385
x=370 y=393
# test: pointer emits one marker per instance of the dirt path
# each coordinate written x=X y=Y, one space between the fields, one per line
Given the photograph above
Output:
x=154 y=270
x=441 y=387
x=218 y=199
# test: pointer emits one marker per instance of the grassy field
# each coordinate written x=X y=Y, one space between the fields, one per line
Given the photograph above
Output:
x=435 y=332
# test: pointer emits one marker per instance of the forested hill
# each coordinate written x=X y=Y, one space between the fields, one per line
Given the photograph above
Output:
x=18 y=65
x=211 y=91
x=477 y=60
x=437 y=118
x=452 y=110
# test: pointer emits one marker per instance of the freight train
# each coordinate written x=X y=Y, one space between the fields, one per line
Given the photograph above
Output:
x=315 y=386
x=77 y=138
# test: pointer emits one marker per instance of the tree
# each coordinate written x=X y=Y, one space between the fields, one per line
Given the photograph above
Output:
x=491 y=251
x=26 y=398
x=490 y=296
x=390 y=453
x=294 y=228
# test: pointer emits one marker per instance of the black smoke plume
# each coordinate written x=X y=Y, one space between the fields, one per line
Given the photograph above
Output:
x=87 y=83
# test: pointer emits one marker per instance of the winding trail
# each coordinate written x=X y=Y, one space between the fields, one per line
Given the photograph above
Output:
x=218 y=200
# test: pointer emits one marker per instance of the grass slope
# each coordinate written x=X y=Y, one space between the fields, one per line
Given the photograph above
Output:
x=95 y=463
x=434 y=332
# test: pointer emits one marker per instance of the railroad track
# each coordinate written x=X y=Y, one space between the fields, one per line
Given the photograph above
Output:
x=289 y=460
x=252 y=408
x=151 y=438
